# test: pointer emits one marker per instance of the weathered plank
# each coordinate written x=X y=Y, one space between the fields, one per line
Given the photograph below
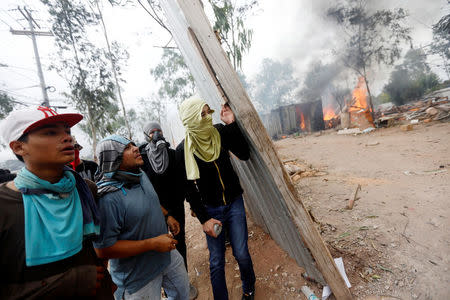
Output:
x=271 y=196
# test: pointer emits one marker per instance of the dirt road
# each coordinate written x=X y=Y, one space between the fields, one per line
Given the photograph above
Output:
x=396 y=239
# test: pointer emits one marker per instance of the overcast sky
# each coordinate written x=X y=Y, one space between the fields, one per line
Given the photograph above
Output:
x=283 y=29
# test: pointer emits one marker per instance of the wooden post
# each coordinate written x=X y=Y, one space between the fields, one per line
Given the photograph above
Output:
x=270 y=195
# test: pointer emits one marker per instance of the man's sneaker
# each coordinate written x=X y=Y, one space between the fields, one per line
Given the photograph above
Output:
x=249 y=296
x=193 y=293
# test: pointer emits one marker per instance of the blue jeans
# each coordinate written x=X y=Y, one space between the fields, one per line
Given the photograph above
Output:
x=174 y=279
x=233 y=219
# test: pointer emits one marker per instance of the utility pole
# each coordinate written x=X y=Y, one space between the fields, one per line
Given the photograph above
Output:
x=33 y=33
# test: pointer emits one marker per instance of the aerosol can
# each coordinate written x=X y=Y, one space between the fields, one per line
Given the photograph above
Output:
x=217 y=229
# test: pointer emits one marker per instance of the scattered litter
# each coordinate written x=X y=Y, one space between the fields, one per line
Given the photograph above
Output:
x=197 y=272
x=376 y=277
x=409 y=173
x=433 y=262
x=309 y=293
x=345 y=234
x=340 y=265
x=367 y=130
x=415 y=121
x=384 y=269
x=350 y=131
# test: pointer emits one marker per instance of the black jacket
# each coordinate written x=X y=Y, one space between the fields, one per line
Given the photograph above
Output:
x=87 y=169
x=172 y=186
x=218 y=183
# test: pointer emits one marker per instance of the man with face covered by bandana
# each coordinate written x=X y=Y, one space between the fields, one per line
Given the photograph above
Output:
x=205 y=150
x=161 y=167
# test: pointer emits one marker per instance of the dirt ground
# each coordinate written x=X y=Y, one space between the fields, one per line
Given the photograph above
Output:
x=394 y=242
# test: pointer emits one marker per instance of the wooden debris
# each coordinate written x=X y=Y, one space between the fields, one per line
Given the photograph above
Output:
x=298 y=170
x=406 y=127
x=351 y=202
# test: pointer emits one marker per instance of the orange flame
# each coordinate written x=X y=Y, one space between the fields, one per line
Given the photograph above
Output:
x=359 y=109
x=302 y=121
x=359 y=101
x=328 y=113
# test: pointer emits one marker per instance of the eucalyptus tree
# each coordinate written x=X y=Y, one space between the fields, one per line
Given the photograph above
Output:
x=274 y=84
x=177 y=82
x=84 y=66
x=441 y=41
x=7 y=104
x=370 y=36
x=230 y=27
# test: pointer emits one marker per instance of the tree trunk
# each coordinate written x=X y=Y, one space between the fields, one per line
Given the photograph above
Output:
x=113 y=66
x=93 y=132
x=370 y=95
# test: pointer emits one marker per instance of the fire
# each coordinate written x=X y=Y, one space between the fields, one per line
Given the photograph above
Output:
x=359 y=102
x=328 y=113
x=302 y=121
x=359 y=109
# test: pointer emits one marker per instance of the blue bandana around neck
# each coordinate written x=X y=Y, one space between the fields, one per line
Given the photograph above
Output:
x=55 y=218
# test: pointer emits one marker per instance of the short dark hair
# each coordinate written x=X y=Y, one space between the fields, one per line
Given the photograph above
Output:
x=23 y=138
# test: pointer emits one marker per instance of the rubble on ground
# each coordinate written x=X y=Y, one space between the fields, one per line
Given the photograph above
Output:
x=298 y=170
x=426 y=110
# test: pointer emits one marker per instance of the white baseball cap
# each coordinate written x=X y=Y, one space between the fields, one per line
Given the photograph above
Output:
x=22 y=121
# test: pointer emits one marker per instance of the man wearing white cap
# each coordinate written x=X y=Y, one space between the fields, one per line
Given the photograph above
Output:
x=48 y=214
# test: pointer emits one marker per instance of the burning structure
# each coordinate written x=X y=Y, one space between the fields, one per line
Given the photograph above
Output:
x=294 y=118
x=311 y=116
x=359 y=110
x=356 y=112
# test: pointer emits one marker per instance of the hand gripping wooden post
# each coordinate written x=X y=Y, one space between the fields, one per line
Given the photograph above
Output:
x=269 y=194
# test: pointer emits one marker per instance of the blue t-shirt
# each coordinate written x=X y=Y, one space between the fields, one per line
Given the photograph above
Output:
x=134 y=216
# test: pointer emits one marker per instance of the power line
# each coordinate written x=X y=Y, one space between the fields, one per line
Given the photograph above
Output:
x=25 y=87
x=31 y=32
x=20 y=95
x=4 y=22
x=17 y=67
x=12 y=18
x=25 y=76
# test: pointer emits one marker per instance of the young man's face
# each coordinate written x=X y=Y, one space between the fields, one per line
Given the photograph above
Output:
x=48 y=146
x=131 y=158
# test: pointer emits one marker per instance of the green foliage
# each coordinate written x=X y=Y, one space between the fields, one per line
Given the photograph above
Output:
x=441 y=37
x=383 y=98
x=441 y=41
x=229 y=25
x=274 y=84
x=176 y=80
x=411 y=79
x=6 y=104
x=84 y=66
